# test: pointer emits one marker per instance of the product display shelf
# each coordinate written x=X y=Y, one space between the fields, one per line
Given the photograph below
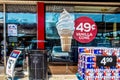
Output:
x=98 y=63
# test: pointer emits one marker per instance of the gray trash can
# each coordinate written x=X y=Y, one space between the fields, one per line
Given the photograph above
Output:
x=38 y=65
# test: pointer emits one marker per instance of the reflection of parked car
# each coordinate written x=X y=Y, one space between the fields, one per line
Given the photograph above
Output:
x=58 y=55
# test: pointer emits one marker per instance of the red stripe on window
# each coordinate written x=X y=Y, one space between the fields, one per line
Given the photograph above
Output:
x=40 y=25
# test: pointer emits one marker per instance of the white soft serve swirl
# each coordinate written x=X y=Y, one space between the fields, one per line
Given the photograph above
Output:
x=65 y=21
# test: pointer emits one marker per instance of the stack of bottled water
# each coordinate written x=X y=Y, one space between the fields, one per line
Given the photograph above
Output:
x=99 y=63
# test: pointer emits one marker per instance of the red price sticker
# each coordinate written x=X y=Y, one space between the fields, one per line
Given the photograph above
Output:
x=85 y=29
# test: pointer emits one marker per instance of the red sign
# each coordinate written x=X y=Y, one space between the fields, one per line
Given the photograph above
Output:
x=85 y=29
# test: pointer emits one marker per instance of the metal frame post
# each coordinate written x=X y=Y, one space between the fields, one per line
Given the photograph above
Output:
x=4 y=35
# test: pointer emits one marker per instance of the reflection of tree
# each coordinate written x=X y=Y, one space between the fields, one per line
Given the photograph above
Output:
x=55 y=17
x=55 y=31
x=52 y=32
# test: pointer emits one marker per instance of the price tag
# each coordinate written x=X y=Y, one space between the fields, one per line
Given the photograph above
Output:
x=108 y=61
x=85 y=29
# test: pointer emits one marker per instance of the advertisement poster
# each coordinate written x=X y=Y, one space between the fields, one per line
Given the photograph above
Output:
x=12 y=29
x=11 y=62
x=85 y=29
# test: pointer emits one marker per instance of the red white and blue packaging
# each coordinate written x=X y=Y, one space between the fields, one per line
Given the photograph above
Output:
x=88 y=68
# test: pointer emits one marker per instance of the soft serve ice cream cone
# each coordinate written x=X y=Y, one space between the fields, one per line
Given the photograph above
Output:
x=65 y=27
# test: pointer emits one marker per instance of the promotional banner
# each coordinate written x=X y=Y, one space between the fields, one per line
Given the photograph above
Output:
x=85 y=29
x=12 y=29
x=12 y=61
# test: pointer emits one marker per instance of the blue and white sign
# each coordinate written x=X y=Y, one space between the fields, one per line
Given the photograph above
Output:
x=12 y=30
x=11 y=62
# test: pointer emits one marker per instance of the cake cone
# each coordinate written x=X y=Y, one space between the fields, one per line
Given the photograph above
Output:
x=66 y=39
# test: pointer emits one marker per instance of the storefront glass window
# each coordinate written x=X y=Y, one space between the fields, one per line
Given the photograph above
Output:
x=106 y=19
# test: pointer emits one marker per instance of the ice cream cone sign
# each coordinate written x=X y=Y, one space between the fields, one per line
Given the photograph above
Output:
x=65 y=28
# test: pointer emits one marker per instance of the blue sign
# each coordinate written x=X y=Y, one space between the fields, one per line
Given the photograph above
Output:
x=14 y=55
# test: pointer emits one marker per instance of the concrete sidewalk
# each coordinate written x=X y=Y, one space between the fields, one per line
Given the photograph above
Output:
x=63 y=77
x=23 y=76
x=53 y=77
x=2 y=73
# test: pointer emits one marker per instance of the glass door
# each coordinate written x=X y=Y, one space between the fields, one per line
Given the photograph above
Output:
x=21 y=29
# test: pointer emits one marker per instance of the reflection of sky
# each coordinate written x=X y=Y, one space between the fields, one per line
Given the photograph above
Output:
x=97 y=17
x=112 y=18
x=21 y=17
x=53 y=17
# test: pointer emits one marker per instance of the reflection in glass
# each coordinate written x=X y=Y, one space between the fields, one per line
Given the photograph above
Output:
x=107 y=32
